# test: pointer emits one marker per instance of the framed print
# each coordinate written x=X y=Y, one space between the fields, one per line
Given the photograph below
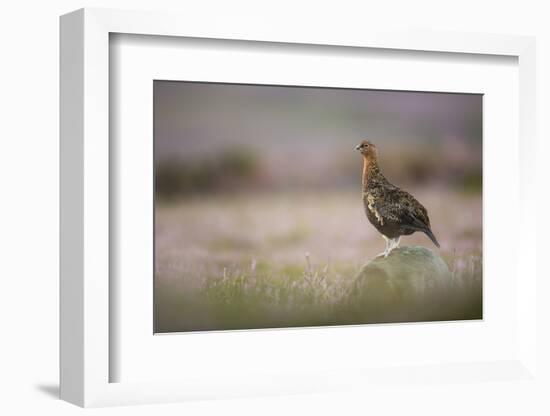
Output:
x=262 y=211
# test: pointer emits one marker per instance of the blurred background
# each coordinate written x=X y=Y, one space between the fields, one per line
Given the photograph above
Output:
x=220 y=137
x=255 y=184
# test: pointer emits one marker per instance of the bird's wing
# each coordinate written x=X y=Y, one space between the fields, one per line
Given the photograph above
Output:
x=397 y=206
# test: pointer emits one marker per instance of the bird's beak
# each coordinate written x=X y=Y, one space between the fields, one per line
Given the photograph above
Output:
x=357 y=147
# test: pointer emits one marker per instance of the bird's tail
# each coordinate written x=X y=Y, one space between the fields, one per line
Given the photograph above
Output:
x=429 y=233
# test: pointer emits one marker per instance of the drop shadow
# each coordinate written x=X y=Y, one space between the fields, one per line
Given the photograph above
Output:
x=51 y=390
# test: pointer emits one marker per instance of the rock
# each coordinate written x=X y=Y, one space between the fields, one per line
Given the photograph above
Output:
x=411 y=284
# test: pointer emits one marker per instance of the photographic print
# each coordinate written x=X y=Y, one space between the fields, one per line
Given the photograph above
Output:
x=290 y=206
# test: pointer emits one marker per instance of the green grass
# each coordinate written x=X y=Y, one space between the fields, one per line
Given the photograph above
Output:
x=303 y=296
x=258 y=297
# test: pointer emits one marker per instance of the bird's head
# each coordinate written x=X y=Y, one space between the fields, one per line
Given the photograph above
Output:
x=367 y=149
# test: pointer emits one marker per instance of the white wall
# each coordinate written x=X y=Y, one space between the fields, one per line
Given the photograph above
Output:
x=29 y=178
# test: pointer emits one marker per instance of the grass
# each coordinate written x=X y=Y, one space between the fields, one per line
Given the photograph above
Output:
x=240 y=262
x=304 y=295
x=259 y=296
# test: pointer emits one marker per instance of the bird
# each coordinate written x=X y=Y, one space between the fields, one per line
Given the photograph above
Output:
x=391 y=210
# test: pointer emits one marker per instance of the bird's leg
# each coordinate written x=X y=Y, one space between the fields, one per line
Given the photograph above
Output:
x=387 y=250
x=389 y=242
x=391 y=246
x=393 y=243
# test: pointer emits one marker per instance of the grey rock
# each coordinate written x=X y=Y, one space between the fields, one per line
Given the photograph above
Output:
x=412 y=283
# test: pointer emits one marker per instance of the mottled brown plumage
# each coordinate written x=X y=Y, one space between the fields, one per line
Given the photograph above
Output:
x=392 y=211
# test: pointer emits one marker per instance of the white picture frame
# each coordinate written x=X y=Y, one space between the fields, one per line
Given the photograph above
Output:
x=86 y=356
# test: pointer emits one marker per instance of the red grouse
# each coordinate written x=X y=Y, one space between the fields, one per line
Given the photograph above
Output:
x=392 y=211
